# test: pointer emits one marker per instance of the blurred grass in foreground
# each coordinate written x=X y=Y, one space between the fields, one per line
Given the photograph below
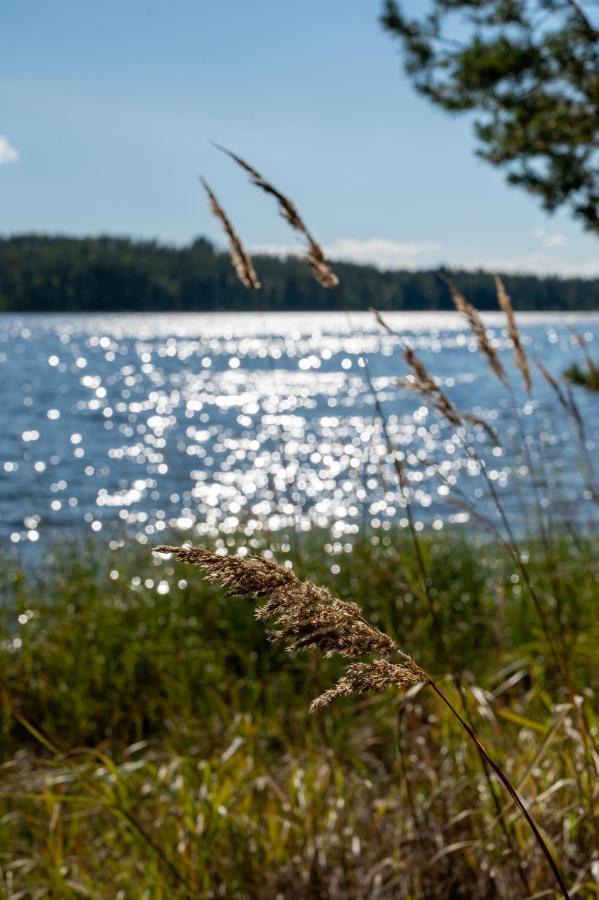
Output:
x=203 y=774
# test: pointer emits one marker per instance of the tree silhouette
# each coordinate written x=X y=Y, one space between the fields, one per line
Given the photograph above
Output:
x=530 y=69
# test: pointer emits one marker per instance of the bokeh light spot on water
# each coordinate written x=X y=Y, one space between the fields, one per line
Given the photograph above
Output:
x=213 y=423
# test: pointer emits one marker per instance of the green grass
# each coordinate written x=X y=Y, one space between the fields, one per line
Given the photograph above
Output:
x=588 y=378
x=156 y=745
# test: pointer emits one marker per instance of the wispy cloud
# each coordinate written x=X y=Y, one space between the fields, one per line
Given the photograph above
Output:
x=536 y=264
x=380 y=252
x=550 y=239
x=386 y=254
x=8 y=153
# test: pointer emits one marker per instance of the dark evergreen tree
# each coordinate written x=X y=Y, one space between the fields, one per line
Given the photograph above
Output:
x=58 y=274
x=530 y=69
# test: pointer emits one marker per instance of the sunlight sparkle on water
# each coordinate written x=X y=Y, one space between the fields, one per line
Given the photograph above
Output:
x=209 y=424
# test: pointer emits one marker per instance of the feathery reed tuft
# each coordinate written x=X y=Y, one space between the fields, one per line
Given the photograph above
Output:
x=314 y=253
x=255 y=577
x=478 y=328
x=308 y=617
x=242 y=261
x=429 y=389
x=365 y=678
x=424 y=384
x=520 y=358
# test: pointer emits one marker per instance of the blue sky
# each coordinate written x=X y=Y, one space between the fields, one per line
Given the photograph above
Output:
x=107 y=110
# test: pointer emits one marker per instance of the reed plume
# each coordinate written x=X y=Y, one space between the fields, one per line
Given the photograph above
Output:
x=520 y=357
x=307 y=616
x=304 y=615
x=424 y=384
x=242 y=261
x=477 y=325
x=363 y=678
x=429 y=389
x=314 y=253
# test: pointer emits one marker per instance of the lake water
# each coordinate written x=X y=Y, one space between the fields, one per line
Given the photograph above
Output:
x=218 y=421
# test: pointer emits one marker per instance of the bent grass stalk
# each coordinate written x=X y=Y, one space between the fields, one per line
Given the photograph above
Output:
x=429 y=388
x=306 y=616
x=314 y=254
x=355 y=679
x=477 y=326
x=244 y=270
x=555 y=640
x=242 y=261
x=520 y=358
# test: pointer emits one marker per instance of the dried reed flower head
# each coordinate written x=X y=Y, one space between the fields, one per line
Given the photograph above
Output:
x=478 y=328
x=424 y=384
x=308 y=617
x=242 y=261
x=254 y=577
x=418 y=367
x=364 y=678
x=314 y=254
x=431 y=391
x=520 y=357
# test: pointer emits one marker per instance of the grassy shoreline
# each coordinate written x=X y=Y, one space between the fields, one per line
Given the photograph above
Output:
x=205 y=776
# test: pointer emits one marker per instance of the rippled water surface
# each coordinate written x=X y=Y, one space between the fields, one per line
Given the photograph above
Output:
x=206 y=421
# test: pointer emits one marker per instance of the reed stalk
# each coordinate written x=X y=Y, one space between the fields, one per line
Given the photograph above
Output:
x=307 y=617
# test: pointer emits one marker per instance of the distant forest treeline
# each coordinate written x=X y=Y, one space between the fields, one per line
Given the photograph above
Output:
x=44 y=274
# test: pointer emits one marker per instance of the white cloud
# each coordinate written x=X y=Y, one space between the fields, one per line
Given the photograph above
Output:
x=8 y=153
x=550 y=239
x=536 y=264
x=380 y=252
x=386 y=254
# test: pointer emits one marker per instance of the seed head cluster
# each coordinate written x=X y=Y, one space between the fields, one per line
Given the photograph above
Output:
x=242 y=262
x=424 y=384
x=520 y=358
x=478 y=328
x=315 y=257
x=308 y=617
x=362 y=678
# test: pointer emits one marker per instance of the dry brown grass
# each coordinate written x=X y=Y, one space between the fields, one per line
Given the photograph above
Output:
x=520 y=358
x=314 y=253
x=241 y=259
x=477 y=325
x=423 y=383
x=309 y=617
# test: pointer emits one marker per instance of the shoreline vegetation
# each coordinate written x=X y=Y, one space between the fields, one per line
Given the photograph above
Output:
x=151 y=736
x=63 y=274
x=204 y=774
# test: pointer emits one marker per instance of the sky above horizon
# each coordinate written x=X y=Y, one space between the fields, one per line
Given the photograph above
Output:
x=107 y=113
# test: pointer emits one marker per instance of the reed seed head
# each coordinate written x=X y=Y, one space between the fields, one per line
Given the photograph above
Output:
x=477 y=325
x=364 y=678
x=520 y=357
x=308 y=617
x=242 y=261
x=253 y=578
x=423 y=383
x=314 y=255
